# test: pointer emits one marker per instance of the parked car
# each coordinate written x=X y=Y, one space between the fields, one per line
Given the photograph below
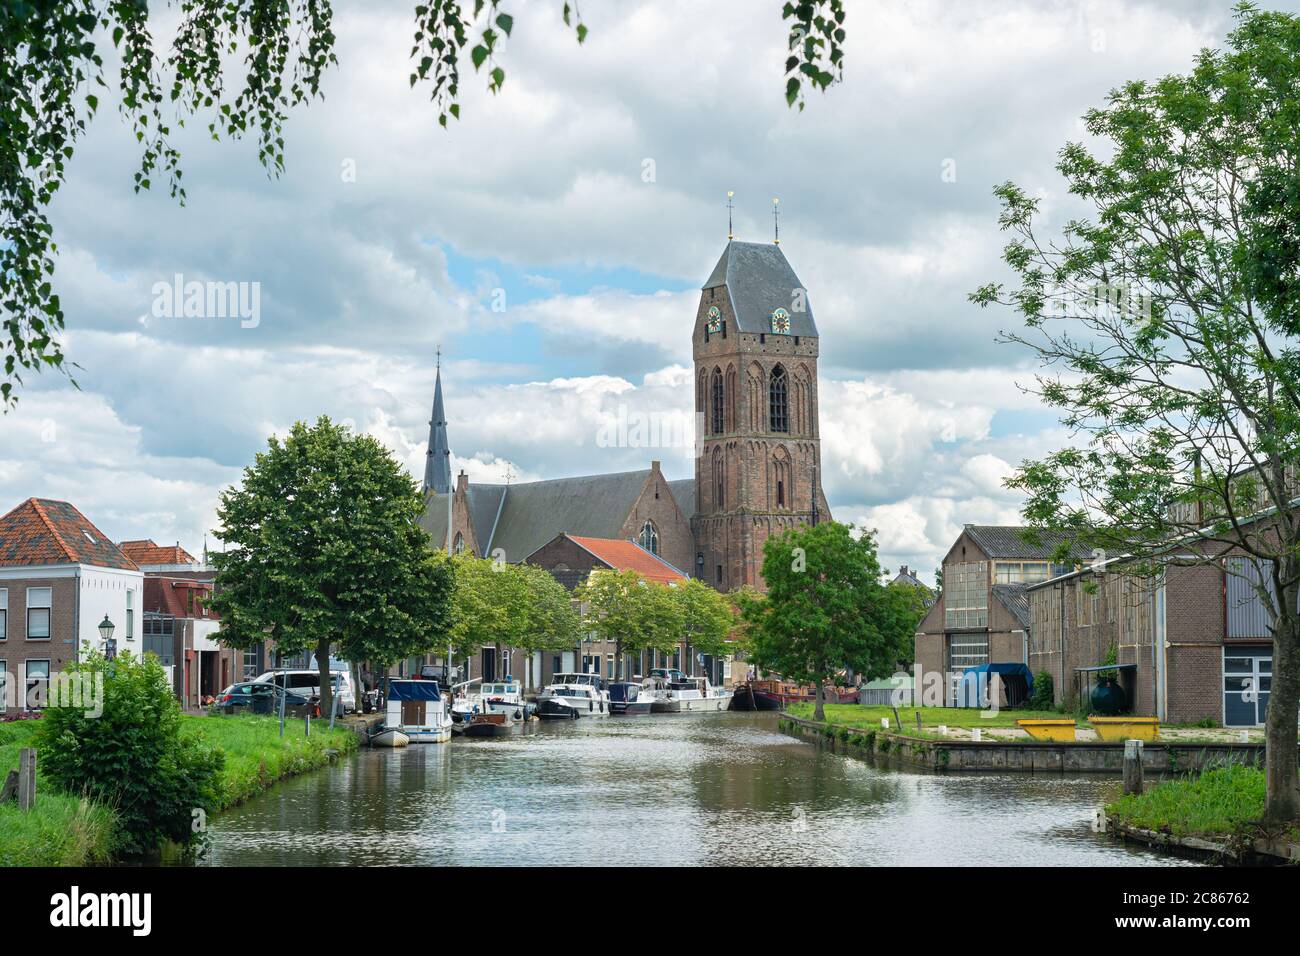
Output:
x=306 y=683
x=263 y=698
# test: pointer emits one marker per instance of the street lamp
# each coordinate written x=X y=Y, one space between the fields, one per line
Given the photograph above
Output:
x=106 y=629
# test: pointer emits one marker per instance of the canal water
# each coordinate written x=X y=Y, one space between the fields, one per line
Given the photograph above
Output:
x=661 y=789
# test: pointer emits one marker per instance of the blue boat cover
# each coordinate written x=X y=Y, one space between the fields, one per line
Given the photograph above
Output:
x=974 y=688
x=413 y=690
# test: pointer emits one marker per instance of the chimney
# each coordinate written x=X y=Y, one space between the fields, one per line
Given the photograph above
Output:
x=462 y=483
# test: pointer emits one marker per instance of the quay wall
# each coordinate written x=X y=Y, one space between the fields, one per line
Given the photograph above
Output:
x=1158 y=758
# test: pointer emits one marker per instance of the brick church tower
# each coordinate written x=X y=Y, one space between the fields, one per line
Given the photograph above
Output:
x=758 y=464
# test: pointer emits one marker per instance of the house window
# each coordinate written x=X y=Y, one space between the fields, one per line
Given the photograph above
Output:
x=778 y=401
x=719 y=574
x=966 y=604
x=5 y=702
x=38 y=614
x=38 y=684
x=130 y=615
x=650 y=537
x=4 y=613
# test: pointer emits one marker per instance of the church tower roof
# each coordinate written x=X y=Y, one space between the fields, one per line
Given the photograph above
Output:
x=759 y=279
x=437 y=460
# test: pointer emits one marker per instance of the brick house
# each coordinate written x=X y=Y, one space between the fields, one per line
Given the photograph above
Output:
x=179 y=627
x=60 y=577
x=981 y=615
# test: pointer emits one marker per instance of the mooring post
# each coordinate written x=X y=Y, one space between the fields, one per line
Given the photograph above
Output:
x=26 y=778
x=1132 y=766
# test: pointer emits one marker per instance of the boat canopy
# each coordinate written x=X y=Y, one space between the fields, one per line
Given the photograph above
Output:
x=413 y=690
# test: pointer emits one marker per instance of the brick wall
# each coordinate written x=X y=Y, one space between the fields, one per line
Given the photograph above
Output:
x=16 y=650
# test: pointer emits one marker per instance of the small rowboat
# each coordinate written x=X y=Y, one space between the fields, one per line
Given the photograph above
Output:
x=389 y=738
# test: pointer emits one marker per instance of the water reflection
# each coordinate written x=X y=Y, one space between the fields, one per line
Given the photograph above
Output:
x=669 y=789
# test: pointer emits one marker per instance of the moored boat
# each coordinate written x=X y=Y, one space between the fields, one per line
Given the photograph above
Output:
x=417 y=709
x=488 y=725
x=570 y=696
x=769 y=695
x=388 y=738
x=625 y=698
x=671 y=692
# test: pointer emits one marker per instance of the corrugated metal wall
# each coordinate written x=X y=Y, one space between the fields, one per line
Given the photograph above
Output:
x=1247 y=614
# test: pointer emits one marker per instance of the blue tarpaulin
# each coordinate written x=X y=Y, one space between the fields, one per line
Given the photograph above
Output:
x=973 y=691
x=413 y=690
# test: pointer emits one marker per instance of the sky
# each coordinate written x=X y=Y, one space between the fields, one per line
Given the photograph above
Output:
x=553 y=242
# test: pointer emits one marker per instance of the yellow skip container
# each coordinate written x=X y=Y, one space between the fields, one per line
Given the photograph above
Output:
x=1119 y=729
x=1061 y=731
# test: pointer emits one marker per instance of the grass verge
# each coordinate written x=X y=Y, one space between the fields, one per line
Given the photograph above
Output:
x=67 y=830
x=1220 y=802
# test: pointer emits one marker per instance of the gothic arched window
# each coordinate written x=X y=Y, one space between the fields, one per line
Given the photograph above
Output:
x=719 y=480
x=719 y=403
x=649 y=537
x=458 y=546
x=782 y=493
x=778 y=395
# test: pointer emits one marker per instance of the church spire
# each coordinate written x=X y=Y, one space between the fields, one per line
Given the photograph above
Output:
x=437 y=460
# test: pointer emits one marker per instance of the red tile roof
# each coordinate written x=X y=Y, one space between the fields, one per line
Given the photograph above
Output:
x=41 y=531
x=164 y=595
x=146 y=552
x=630 y=556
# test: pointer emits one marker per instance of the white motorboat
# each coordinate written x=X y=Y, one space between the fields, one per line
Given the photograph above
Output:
x=570 y=696
x=417 y=709
x=498 y=697
x=672 y=692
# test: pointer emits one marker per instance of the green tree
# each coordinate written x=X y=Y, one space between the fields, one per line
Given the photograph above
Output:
x=825 y=608
x=633 y=613
x=323 y=547
x=52 y=75
x=708 y=617
x=518 y=606
x=133 y=756
x=1169 y=322
x=909 y=606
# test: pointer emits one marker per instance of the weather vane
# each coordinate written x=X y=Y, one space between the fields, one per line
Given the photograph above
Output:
x=730 y=205
x=439 y=358
x=776 y=221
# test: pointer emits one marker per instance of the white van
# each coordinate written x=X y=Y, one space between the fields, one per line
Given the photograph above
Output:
x=307 y=684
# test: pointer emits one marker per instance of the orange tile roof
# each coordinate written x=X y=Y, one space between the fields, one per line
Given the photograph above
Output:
x=42 y=531
x=147 y=552
x=630 y=556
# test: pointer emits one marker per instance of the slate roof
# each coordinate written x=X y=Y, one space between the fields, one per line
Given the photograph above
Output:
x=1007 y=541
x=683 y=491
x=759 y=279
x=147 y=552
x=1015 y=599
x=629 y=556
x=41 y=531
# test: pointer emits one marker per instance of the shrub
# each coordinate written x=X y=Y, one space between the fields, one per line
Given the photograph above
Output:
x=133 y=756
x=1043 y=696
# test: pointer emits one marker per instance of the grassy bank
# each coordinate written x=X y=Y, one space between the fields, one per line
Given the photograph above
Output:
x=856 y=715
x=60 y=830
x=66 y=830
x=1220 y=802
x=256 y=756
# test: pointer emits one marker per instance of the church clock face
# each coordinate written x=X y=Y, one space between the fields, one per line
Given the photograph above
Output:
x=780 y=321
x=714 y=319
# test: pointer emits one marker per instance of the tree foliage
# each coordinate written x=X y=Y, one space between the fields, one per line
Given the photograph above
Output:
x=323 y=547
x=517 y=606
x=631 y=612
x=708 y=616
x=825 y=608
x=134 y=756
x=1167 y=327
x=241 y=65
